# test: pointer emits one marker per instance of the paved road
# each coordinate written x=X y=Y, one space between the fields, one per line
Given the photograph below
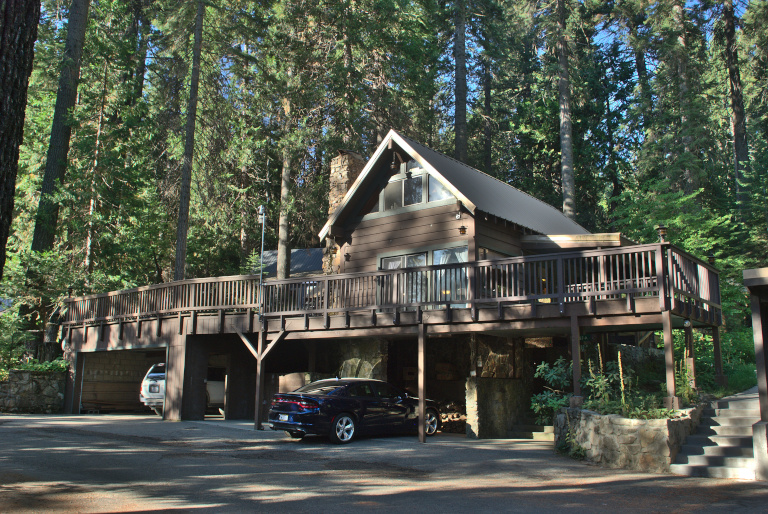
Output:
x=140 y=463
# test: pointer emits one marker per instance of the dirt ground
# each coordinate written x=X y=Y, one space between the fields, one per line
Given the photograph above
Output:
x=138 y=463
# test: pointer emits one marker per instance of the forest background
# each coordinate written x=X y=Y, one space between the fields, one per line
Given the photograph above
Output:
x=189 y=115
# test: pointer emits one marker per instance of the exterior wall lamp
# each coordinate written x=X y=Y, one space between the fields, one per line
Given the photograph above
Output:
x=462 y=230
x=711 y=258
x=662 y=231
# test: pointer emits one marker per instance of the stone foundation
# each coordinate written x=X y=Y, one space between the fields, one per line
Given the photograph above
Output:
x=494 y=405
x=616 y=442
x=33 y=392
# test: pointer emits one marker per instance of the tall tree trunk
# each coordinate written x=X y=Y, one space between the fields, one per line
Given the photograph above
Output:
x=460 y=77
x=284 y=222
x=189 y=148
x=487 y=129
x=18 y=32
x=61 y=128
x=738 y=120
x=566 y=127
x=690 y=180
x=88 y=264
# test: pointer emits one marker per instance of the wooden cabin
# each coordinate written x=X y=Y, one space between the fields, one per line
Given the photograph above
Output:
x=436 y=277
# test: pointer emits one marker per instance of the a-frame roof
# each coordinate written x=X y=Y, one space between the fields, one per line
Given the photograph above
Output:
x=476 y=190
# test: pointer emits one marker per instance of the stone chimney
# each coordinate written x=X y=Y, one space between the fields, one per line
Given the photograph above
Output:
x=345 y=168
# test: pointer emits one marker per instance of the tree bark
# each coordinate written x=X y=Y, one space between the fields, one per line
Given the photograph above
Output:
x=738 y=120
x=61 y=127
x=460 y=77
x=284 y=222
x=189 y=149
x=566 y=127
x=487 y=129
x=18 y=32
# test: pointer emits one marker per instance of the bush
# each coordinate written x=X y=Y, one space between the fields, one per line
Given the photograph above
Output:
x=54 y=366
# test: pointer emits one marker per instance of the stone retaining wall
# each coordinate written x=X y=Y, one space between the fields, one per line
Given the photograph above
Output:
x=33 y=392
x=616 y=442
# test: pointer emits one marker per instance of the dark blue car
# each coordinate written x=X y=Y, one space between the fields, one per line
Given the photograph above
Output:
x=344 y=408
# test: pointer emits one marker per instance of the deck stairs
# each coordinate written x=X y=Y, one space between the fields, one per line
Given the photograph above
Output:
x=721 y=447
x=535 y=432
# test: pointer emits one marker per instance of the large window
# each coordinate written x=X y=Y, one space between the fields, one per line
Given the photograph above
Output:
x=411 y=185
x=447 y=285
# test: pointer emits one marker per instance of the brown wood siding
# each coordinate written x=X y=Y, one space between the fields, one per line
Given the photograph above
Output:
x=406 y=231
x=498 y=236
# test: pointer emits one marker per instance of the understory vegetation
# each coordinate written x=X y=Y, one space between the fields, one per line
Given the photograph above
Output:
x=637 y=390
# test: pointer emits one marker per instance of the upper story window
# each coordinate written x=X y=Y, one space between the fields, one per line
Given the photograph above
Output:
x=411 y=185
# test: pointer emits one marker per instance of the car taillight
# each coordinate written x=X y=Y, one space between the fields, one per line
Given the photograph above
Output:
x=308 y=404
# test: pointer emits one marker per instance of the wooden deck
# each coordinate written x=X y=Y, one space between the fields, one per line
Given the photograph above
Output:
x=634 y=283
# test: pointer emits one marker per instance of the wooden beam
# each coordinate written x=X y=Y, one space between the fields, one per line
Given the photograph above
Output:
x=671 y=401
x=422 y=364
x=272 y=344
x=576 y=355
x=248 y=345
x=258 y=408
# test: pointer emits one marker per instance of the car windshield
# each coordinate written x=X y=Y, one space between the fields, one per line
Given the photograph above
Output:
x=319 y=388
x=157 y=369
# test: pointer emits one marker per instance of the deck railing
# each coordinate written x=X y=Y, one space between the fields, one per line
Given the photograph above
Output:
x=661 y=270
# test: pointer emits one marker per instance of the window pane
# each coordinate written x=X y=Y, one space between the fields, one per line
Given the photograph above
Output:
x=413 y=165
x=412 y=190
x=450 y=256
x=416 y=260
x=437 y=190
x=392 y=263
x=393 y=195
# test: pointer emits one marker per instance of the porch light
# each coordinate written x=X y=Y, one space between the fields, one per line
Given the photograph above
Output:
x=346 y=256
x=662 y=231
x=711 y=258
x=462 y=230
x=69 y=290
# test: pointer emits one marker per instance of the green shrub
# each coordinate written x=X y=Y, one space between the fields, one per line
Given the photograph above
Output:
x=558 y=378
x=54 y=366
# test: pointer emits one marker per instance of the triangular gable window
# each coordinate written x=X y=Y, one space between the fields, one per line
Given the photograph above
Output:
x=409 y=185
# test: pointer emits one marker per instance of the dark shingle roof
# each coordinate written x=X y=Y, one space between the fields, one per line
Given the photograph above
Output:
x=304 y=261
x=496 y=197
x=475 y=189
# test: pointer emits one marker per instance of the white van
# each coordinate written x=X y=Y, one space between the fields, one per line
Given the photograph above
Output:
x=152 y=392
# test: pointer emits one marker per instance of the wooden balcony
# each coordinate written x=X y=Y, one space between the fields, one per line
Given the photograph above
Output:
x=510 y=289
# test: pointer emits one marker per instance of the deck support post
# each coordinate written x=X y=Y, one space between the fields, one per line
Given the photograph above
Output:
x=671 y=401
x=258 y=408
x=576 y=399
x=720 y=378
x=422 y=361
x=690 y=359
x=759 y=309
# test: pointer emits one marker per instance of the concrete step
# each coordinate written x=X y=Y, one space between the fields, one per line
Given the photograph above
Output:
x=715 y=460
x=719 y=440
x=548 y=429
x=735 y=404
x=717 y=451
x=692 y=470
x=731 y=413
x=535 y=432
x=742 y=421
x=725 y=430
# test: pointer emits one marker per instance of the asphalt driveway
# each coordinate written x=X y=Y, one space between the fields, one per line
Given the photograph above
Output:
x=140 y=463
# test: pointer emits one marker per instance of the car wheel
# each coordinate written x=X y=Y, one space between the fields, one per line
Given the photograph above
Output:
x=342 y=429
x=431 y=422
x=295 y=434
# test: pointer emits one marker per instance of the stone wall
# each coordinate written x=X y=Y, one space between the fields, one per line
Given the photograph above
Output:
x=498 y=390
x=33 y=392
x=494 y=405
x=616 y=442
